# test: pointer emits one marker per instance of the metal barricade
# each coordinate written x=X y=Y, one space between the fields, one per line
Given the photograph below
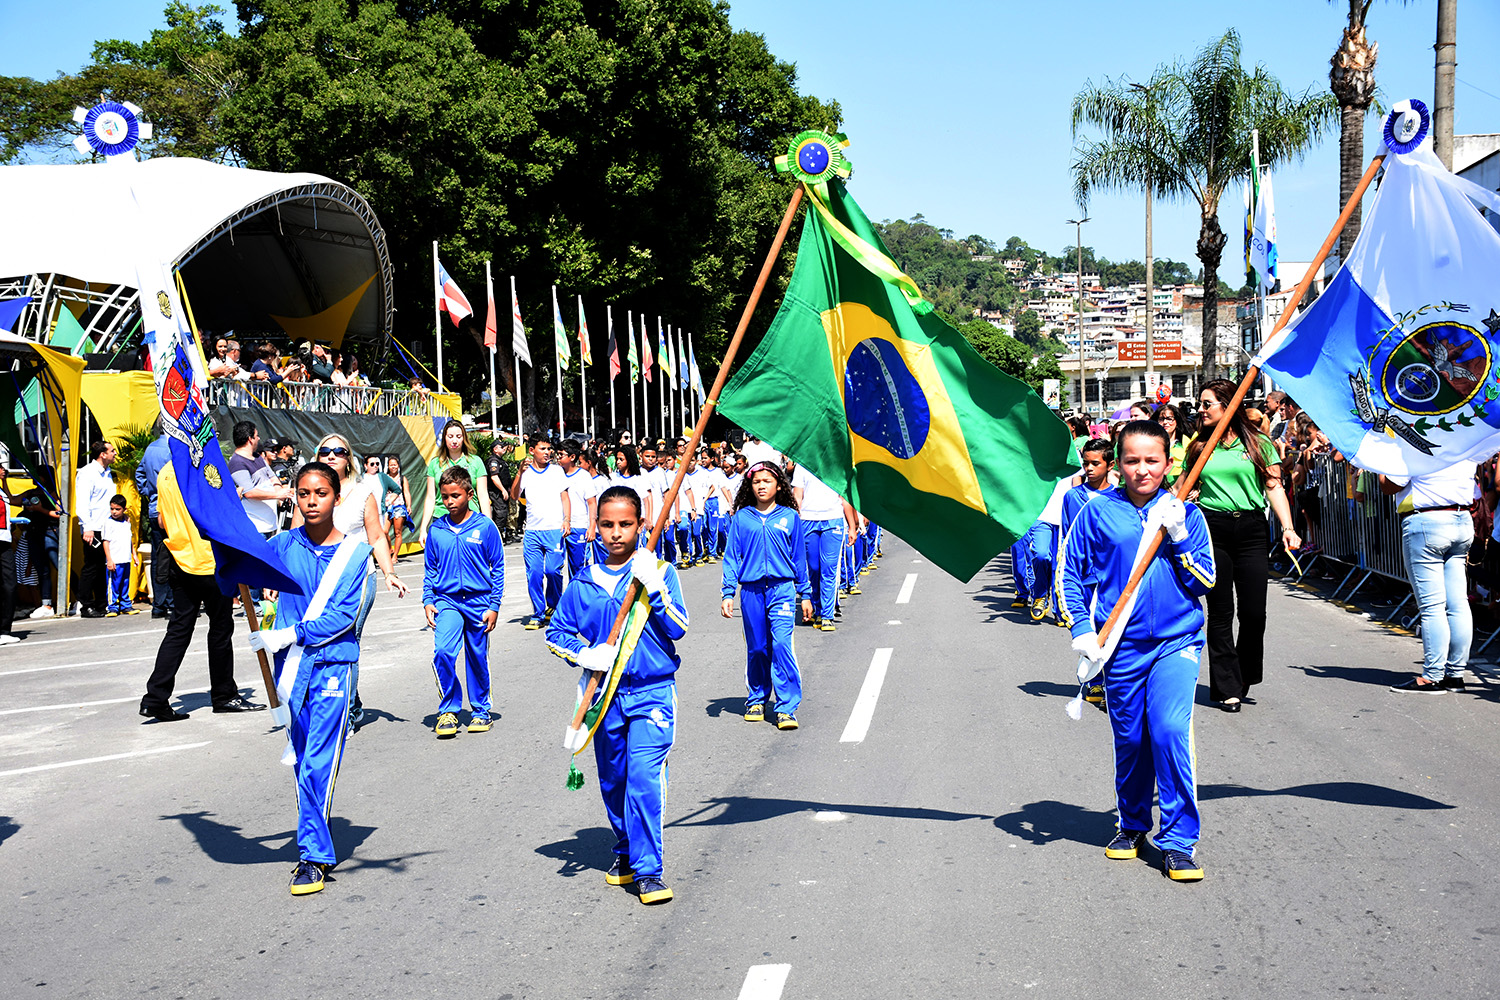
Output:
x=318 y=397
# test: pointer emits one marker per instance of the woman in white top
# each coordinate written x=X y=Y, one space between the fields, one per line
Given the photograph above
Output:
x=357 y=514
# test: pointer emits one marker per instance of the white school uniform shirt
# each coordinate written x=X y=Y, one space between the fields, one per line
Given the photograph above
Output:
x=117 y=535
x=732 y=484
x=819 y=501
x=1444 y=488
x=701 y=483
x=716 y=484
x=580 y=487
x=759 y=451
x=93 y=487
x=636 y=484
x=543 y=492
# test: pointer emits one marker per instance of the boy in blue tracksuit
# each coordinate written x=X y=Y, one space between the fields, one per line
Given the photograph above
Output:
x=315 y=655
x=1098 y=459
x=461 y=592
x=766 y=558
x=548 y=512
x=579 y=533
x=637 y=731
x=1151 y=673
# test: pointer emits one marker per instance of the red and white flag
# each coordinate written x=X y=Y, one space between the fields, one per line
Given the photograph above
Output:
x=489 y=315
x=450 y=299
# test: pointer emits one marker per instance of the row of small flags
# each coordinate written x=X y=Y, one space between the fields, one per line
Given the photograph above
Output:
x=670 y=360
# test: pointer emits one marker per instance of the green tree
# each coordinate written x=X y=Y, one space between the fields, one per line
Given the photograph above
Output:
x=1187 y=135
x=1029 y=328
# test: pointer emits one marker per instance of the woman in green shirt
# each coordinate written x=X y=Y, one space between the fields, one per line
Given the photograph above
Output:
x=1242 y=476
x=453 y=449
x=1171 y=421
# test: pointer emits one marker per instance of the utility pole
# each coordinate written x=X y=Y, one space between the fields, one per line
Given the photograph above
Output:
x=1083 y=382
x=1445 y=70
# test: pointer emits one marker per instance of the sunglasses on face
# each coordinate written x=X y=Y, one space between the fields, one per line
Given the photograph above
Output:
x=1205 y=404
x=338 y=452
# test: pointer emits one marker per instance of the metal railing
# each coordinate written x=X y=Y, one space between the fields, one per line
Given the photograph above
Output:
x=318 y=397
x=1357 y=526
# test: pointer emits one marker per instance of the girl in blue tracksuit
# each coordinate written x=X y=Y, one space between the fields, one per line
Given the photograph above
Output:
x=461 y=591
x=1151 y=675
x=315 y=656
x=766 y=558
x=637 y=731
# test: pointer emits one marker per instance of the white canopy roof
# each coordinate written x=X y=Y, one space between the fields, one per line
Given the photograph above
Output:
x=251 y=243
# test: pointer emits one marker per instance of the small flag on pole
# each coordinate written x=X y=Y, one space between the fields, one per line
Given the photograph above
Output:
x=489 y=314
x=614 y=351
x=697 y=377
x=450 y=299
x=664 y=356
x=517 y=328
x=585 y=356
x=648 y=359
x=630 y=353
x=560 y=334
x=682 y=362
x=1263 y=237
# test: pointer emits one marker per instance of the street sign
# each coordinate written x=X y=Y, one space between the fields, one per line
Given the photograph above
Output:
x=1161 y=350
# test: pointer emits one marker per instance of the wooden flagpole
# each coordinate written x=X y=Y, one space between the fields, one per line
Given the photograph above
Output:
x=1186 y=484
x=708 y=408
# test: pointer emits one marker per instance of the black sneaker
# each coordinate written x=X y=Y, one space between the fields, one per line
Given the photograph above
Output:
x=1453 y=683
x=1421 y=685
x=1126 y=846
x=307 y=877
x=1179 y=866
x=237 y=705
x=619 y=873
x=653 y=890
x=1094 y=694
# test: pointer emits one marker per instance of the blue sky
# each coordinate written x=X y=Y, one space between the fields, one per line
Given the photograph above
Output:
x=959 y=110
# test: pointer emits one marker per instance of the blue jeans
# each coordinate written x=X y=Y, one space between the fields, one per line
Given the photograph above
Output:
x=1436 y=545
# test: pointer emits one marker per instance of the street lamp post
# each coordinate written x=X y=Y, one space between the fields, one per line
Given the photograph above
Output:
x=1083 y=381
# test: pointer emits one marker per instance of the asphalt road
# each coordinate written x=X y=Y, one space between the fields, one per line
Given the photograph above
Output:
x=937 y=834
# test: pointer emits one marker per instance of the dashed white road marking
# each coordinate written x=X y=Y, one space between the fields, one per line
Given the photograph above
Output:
x=907 y=586
x=76 y=704
x=21 y=647
x=122 y=756
x=86 y=663
x=869 y=694
x=765 y=982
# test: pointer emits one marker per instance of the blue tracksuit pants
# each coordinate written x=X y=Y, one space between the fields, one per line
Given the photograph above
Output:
x=319 y=725
x=1022 y=571
x=630 y=748
x=1149 y=688
x=769 y=610
x=689 y=537
x=713 y=528
x=848 y=568
x=460 y=625
x=542 y=552
x=578 y=554
x=119 y=588
x=825 y=545
x=666 y=546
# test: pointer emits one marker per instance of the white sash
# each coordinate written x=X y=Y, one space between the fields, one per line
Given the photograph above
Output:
x=321 y=596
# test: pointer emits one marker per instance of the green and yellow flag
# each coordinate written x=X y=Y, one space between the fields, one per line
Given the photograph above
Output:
x=858 y=380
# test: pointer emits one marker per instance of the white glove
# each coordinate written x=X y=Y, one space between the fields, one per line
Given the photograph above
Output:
x=647 y=570
x=273 y=640
x=1087 y=646
x=600 y=657
x=1173 y=517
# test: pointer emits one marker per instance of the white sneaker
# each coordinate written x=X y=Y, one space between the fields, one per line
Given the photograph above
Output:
x=45 y=611
x=7 y=639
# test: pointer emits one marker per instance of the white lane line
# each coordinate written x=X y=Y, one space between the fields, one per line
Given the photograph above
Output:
x=907 y=586
x=869 y=693
x=765 y=982
x=76 y=704
x=86 y=663
x=98 y=760
x=109 y=637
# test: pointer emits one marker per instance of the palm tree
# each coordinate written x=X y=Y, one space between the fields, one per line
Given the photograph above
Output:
x=1351 y=78
x=1186 y=133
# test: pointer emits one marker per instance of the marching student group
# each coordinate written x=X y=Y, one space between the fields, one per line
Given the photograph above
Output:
x=786 y=543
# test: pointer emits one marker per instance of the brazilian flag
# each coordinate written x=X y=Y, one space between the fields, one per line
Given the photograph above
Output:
x=858 y=380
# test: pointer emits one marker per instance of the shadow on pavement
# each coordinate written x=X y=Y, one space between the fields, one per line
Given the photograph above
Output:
x=996 y=599
x=1044 y=689
x=1359 y=675
x=8 y=828
x=1353 y=793
x=1048 y=820
x=380 y=715
x=717 y=707
x=589 y=850
x=226 y=845
x=745 y=809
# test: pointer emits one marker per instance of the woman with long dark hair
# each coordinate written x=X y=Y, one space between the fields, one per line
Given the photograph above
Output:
x=1170 y=418
x=1242 y=477
x=453 y=448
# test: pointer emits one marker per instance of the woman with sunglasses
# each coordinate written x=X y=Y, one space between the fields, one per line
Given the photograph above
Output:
x=357 y=514
x=453 y=449
x=1242 y=476
x=1171 y=420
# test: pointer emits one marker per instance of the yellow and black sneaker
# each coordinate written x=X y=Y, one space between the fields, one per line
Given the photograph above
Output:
x=1038 y=609
x=1126 y=846
x=785 y=721
x=307 y=877
x=825 y=624
x=447 y=725
x=653 y=890
x=531 y=623
x=619 y=873
x=755 y=713
x=480 y=723
x=1019 y=602
x=1094 y=693
x=1179 y=866
x=853 y=590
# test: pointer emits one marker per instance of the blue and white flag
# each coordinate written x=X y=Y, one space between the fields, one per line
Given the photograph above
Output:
x=1396 y=360
x=1263 y=233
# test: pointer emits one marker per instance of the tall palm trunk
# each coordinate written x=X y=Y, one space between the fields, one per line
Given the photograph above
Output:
x=1352 y=80
x=1211 y=240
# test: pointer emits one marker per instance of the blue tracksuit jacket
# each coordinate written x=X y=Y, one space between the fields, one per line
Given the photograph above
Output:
x=1150 y=680
x=1075 y=500
x=636 y=734
x=321 y=691
x=464 y=578
x=766 y=557
x=765 y=547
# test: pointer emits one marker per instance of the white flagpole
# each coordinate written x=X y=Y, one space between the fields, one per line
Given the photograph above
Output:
x=489 y=288
x=630 y=332
x=520 y=423
x=609 y=323
x=583 y=371
x=561 y=427
x=437 y=316
x=661 y=379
